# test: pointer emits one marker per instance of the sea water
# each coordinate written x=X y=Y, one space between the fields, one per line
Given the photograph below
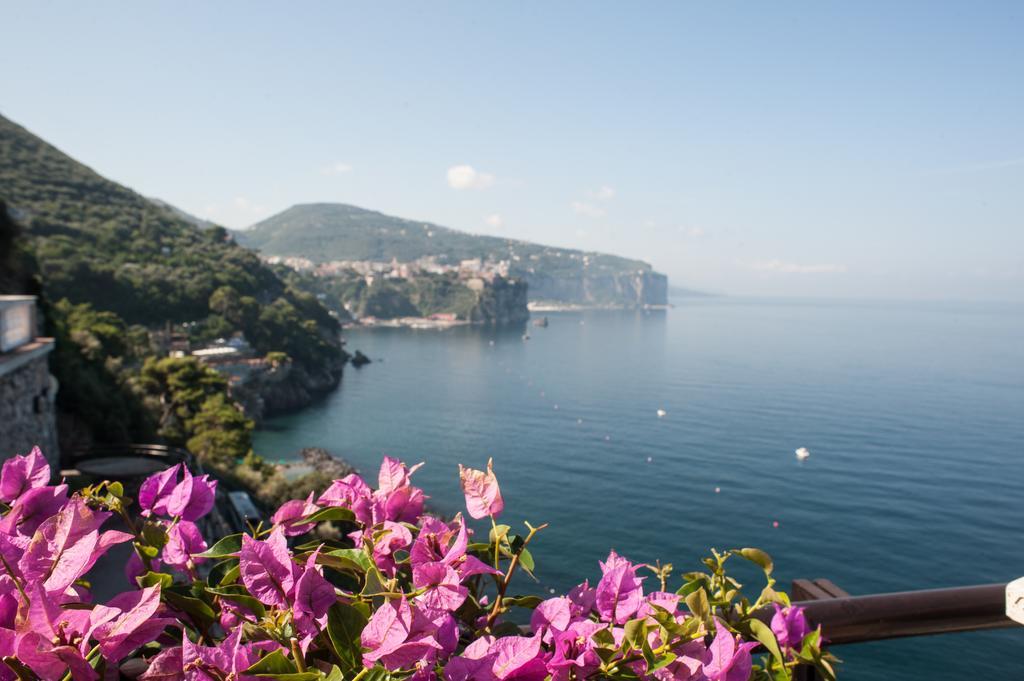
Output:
x=913 y=414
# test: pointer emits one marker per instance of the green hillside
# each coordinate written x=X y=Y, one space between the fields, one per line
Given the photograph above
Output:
x=100 y=243
x=325 y=232
x=113 y=267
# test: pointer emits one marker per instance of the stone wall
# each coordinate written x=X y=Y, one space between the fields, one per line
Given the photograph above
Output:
x=27 y=410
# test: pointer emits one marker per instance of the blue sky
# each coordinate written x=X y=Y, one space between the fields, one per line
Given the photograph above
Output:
x=807 y=149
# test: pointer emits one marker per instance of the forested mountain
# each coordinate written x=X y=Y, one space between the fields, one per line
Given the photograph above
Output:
x=325 y=232
x=100 y=243
x=115 y=268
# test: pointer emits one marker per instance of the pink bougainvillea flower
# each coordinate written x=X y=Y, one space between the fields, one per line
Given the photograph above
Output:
x=32 y=508
x=184 y=540
x=582 y=596
x=52 y=661
x=439 y=542
x=443 y=590
x=267 y=569
x=156 y=489
x=575 y=655
x=193 y=497
x=729 y=657
x=22 y=473
x=10 y=601
x=128 y=621
x=690 y=659
x=620 y=592
x=474 y=664
x=67 y=545
x=790 y=625
x=396 y=499
x=390 y=538
x=551 y=617
x=497 y=659
x=291 y=512
x=314 y=595
x=661 y=599
x=165 y=666
x=483 y=496
x=394 y=475
x=518 y=657
x=190 y=499
x=353 y=493
x=398 y=636
x=215 y=663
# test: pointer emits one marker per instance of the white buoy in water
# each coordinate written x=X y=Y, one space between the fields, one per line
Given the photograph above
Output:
x=650 y=459
x=662 y=413
x=802 y=453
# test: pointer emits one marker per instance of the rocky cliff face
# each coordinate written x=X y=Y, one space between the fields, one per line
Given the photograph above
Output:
x=284 y=389
x=502 y=302
x=634 y=289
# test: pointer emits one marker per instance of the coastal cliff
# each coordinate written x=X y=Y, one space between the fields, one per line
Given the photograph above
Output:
x=287 y=387
x=632 y=289
x=503 y=301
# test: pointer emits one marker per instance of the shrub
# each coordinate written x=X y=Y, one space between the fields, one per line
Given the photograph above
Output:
x=403 y=595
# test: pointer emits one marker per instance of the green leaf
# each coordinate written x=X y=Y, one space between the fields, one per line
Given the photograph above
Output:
x=764 y=635
x=498 y=532
x=147 y=550
x=236 y=594
x=526 y=560
x=759 y=557
x=228 y=546
x=231 y=576
x=195 y=608
x=691 y=586
x=272 y=664
x=604 y=638
x=698 y=604
x=335 y=674
x=115 y=488
x=635 y=633
x=153 y=578
x=653 y=661
x=325 y=514
x=345 y=623
x=530 y=602
x=346 y=559
x=155 y=535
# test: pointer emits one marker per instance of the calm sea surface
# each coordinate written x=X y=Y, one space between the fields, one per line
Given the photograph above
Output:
x=913 y=413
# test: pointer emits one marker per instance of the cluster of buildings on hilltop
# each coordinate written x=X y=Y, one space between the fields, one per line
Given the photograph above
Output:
x=474 y=268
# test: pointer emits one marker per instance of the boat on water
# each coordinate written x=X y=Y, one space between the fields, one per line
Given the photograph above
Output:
x=542 y=322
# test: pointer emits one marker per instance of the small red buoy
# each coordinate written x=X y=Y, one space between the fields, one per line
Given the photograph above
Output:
x=775 y=523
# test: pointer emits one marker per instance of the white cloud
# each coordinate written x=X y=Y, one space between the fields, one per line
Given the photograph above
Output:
x=604 y=193
x=794 y=268
x=587 y=209
x=494 y=220
x=695 y=233
x=336 y=168
x=467 y=177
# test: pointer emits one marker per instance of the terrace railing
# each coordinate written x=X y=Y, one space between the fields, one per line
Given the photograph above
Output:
x=856 y=619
